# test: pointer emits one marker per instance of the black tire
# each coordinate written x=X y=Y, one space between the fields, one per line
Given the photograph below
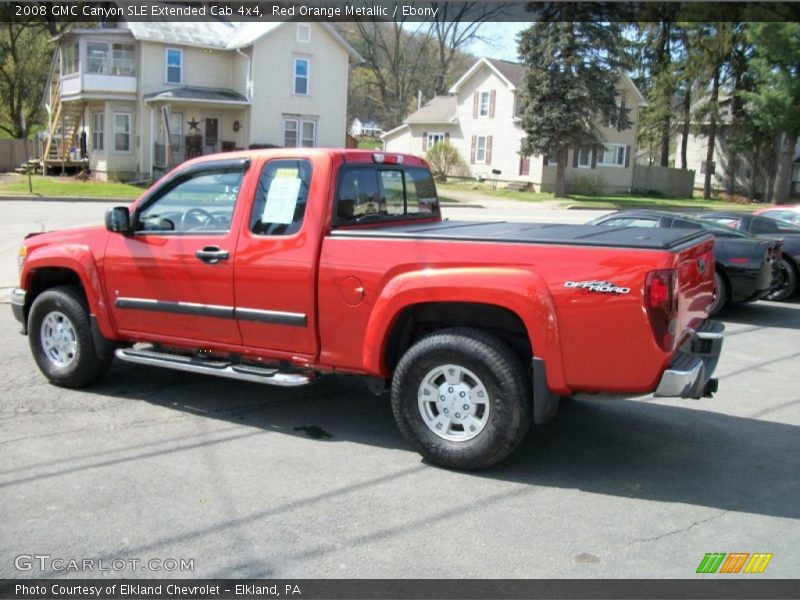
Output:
x=789 y=276
x=65 y=307
x=720 y=294
x=496 y=368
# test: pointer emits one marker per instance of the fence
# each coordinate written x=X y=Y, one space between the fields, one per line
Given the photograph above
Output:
x=674 y=183
x=12 y=153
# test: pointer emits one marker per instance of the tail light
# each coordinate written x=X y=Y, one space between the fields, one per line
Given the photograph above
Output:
x=661 y=300
x=388 y=159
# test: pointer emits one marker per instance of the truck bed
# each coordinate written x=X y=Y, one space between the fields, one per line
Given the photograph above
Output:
x=532 y=233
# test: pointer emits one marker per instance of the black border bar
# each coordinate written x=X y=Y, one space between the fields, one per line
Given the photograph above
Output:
x=712 y=588
x=394 y=10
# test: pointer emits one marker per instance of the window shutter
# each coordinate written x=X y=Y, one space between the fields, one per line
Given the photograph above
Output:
x=491 y=103
x=475 y=101
x=621 y=112
x=488 y=149
x=424 y=141
x=627 y=156
x=594 y=158
x=446 y=137
x=575 y=153
x=544 y=159
x=472 y=150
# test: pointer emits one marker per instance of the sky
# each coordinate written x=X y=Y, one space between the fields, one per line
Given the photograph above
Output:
x=500 y=40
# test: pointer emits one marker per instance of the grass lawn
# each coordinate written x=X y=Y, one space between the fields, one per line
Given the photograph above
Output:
x=621 y=201
x=370 y=144
x=68 y=186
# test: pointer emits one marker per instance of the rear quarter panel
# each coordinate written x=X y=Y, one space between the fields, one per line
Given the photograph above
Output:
x=590 y=341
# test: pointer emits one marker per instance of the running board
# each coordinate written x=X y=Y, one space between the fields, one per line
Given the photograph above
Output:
x=219 y=368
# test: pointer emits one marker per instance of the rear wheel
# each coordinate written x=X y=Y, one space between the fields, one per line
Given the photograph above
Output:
x=720 y=294
x=60 y=337
x=788 y=282
x=461 y=397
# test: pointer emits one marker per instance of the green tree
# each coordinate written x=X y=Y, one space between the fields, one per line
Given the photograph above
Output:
x=572 y=70
x=24 y=66
x=776 y=102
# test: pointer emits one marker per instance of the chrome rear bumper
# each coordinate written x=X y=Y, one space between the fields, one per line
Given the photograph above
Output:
x=689 y=373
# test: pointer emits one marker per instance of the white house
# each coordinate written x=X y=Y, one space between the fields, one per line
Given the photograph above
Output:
x=360 y=128
x=143 y=96
x=479 y=117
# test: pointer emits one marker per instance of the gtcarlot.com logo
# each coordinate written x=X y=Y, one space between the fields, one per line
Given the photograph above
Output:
x=50 y=563
x=734 y=562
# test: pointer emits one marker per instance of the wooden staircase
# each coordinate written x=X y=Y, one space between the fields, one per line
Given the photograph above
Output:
x=65 y=120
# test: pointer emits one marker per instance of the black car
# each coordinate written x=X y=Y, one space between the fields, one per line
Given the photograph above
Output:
x=746 y=265
x=767 y=227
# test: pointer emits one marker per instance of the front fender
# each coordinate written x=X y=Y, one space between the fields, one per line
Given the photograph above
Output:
x=520 y=291
x=79 y=259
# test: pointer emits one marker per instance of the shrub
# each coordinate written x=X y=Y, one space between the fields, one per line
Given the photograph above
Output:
x=444 y=160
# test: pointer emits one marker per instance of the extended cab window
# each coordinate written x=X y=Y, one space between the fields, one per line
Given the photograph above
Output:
x=280 y=200
x=200 y=201
x=383 y=194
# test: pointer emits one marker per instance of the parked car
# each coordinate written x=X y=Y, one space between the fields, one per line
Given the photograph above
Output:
x=789 y=213
x=746 y=266
x=766 y=227
x=282 y=265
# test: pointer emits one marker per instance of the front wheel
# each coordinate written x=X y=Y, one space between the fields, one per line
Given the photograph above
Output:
x=61 y=341
x=461 y=397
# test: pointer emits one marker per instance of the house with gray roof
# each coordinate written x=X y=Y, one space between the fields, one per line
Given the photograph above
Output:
x=479 y=117
x=133 y=100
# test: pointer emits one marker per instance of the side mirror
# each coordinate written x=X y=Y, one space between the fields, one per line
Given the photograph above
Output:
x=118 y=219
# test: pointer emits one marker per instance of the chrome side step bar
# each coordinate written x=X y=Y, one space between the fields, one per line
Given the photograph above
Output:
x=219 y=368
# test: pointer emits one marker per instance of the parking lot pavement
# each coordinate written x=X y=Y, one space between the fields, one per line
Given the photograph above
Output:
x=253 y=481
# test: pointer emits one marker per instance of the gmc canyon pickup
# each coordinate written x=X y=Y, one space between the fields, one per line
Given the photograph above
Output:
x=276 y=266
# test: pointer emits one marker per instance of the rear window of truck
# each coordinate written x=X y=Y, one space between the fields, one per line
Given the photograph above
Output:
x=375 y=194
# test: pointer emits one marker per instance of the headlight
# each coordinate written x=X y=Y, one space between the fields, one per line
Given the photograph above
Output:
x=23 y=252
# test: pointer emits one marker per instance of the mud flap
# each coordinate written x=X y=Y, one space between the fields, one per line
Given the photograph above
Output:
x=545 y=402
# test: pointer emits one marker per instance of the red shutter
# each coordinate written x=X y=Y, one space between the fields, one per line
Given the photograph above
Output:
x=475 y=101
x=472 y=150
x=491 y=103
x=575 y=153
x=488 y=149
x=627 y=156
x=424 y=141
x=594 y=158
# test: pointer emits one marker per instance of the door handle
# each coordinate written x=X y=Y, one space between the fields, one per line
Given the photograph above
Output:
x=212 y=254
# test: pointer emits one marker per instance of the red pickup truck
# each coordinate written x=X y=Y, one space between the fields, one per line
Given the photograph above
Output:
x=276 y=266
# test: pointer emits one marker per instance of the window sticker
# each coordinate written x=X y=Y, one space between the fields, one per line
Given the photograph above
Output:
x=282 y=198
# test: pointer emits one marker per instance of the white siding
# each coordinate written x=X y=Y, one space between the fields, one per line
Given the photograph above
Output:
x=505 y=134
x=273 y=85
x=201 y=67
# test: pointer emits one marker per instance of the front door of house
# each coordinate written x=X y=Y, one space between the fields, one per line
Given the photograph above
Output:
x=211 y=135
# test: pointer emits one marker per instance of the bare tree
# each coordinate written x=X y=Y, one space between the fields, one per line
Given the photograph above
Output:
x=455 y=26
x=397 y=57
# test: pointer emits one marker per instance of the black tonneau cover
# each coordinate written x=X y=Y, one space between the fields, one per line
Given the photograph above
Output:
x=542 y=233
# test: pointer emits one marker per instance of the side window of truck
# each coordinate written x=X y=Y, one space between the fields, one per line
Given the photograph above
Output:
x=198 y=202
x=376 y=194
x=279 y=204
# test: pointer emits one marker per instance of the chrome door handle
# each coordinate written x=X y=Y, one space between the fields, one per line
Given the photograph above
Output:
x=212 y=254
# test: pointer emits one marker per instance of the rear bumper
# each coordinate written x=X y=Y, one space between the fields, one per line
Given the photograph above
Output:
x=18 y=305
x=689 y=373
